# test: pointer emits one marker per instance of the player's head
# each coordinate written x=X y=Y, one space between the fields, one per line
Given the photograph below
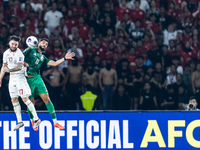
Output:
x=14 y=42
x=43 y=43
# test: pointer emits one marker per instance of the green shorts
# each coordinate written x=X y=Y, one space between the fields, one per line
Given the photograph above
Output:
x=36 y=85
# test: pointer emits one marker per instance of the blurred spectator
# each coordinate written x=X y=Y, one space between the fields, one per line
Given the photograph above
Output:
x=169 y=34
x=196 y=80
x=138 y=13
x=107 y=11
x=108 y=84
x=182 y=98
x=54 y=77
x=94 y=18
x=76 y=50
x=52 y=17
x=74 y=80
x=192 y=105
x=121 y=100
x=153 y=9
x=187 y=78
x=137 y=84
x=148 y=98
x=41 y=28
x=129 y=25
x=90 y=76
x=123 y=9
x=155 y=54
x=171 y=77
x=137 y=33
x=170 y=99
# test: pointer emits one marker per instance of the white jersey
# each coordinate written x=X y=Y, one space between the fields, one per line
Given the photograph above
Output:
x=12 y=59
x=18 y=85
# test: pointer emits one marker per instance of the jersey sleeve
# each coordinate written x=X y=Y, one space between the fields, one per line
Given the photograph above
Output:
x=46 y=60
x=4 y=58
x=20 y=58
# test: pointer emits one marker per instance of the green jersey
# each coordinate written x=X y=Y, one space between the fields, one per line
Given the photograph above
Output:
x=34 y=60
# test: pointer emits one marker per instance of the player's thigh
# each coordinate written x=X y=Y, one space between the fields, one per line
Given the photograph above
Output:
x=40 y=87
x=23 y=88
x=12 y=89
x=31 y=83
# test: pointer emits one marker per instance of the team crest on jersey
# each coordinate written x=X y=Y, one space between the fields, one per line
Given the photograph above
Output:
x=10 y=59
x=42 y=58
x=34 y=54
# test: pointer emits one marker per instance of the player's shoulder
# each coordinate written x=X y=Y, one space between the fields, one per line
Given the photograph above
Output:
x=30 y=48
x=7 y=51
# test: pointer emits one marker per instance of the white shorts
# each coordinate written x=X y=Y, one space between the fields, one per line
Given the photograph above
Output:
x=18 y=86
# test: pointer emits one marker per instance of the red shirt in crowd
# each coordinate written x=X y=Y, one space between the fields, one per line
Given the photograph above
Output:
x=153 y=26
x=138 y=14
x=120 y=12
x=174 y=14
x=78 y=10
x=83 y=31
x=16 y=11
x=57 y=52
x=71 y=22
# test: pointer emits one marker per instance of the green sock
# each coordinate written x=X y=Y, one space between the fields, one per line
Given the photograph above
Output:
x=51 y=110
x=30 y=114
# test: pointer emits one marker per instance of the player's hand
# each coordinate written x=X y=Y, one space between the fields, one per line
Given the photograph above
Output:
x=70 y=55
x=26 y=64
x=5 y=69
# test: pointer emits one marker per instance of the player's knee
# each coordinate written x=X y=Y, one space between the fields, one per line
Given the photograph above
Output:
x=47 y=100
x=14 y=100
x=25 y=99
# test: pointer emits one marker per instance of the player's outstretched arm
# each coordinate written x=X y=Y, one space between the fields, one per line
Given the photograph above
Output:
x=60 y=61
x=17 y=68
x=2 y=72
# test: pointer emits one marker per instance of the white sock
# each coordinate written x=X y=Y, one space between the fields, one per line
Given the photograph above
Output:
x=17 y=109
x=31 y=107
x=54 y=121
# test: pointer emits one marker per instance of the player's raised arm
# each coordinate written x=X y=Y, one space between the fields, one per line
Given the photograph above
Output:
x=60 y=61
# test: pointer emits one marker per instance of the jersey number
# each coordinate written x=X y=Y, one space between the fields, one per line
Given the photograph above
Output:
x=37 y=61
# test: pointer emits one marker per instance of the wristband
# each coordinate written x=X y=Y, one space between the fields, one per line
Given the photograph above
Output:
x=65 y=59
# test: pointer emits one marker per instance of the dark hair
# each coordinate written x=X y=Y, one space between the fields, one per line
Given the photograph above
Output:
x=44 y=39
x=137 y=1
x=15 y=38
x=192 y=97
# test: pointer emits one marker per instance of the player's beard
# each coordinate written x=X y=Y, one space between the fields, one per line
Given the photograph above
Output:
x=42 y=49
x=13 y=50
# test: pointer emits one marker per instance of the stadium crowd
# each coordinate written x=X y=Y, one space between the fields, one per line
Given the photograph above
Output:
x=132 y=54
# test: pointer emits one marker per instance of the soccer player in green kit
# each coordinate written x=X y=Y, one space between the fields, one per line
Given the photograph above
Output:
x=34 y=58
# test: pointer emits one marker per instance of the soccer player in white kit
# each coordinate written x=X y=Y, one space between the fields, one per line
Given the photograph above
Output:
x=13 y=62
